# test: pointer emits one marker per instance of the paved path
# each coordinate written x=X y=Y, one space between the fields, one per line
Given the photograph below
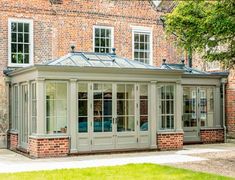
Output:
x=13 y=162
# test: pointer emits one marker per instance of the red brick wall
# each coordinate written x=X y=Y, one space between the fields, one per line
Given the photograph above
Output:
x=212 y=135
x=170 y=141
x=230 y=104
x=48 y=147
x=57 y=27
x=13 y=141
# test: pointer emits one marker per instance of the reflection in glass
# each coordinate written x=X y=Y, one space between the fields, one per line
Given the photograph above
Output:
x=102 y=108
x=56 y=107
x=144 y=107
x=82 y=107
x=125 y=107
x=167 y=106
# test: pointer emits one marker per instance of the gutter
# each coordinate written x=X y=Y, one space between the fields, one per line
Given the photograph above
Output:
x=224 y=81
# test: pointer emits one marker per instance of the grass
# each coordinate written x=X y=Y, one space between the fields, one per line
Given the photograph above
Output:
x=129 y=172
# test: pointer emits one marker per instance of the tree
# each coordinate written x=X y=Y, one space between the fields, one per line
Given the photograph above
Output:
x=207 y=27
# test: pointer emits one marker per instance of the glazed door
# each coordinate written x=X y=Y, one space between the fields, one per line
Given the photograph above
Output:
x=24 y=117
x=103 y=132
x=125 y=118
x=190 y=114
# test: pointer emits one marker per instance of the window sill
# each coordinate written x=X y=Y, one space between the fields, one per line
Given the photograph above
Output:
x=170 y=132
x=19 y=65
x=49 y=136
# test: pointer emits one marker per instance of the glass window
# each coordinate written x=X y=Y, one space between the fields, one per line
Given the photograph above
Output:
x=103 y=39
x=167 y=106
x=24 y=111
x=142 y=47
x=189 y=107
x=20 y=42
x=144 y=107
x=82 y=107
x=125 y=107
x=15 y=108
x=34 y=107
x=56 y=107
x=206 y=106
x=198 y=106
x=102 y=107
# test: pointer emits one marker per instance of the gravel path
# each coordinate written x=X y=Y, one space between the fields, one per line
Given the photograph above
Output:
x=222 y=163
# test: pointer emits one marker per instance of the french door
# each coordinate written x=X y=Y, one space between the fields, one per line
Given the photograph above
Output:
x=24 y=117
x=109 y=116
x=198 y=111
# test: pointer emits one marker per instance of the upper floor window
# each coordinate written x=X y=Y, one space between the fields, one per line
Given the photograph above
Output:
x=142 y=45
x=103 y=39
x=20 y=37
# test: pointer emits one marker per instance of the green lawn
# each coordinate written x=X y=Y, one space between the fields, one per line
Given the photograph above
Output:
x=127 y=172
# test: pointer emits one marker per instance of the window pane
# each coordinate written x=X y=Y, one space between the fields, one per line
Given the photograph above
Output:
x=120 y=124
x=121 y=107
x=26 y=58
x=144 y=123
x=14 y=58
x=13 y=48
x=98 y=124
x=108 y=33
x=82 y=108
x=13 y=37
x=20 y=37
x=98 y=108
x=26 y=27
x=102 y=32
x=143 y=107
x=136 y=38
x=20 y=27
x=14 y=27
x=141 y=37
x=107 y=91
x=20 y=58
x=26 y=38
x=130 y=107
x=130 y=123
x=26 y=48
x=120 y=91
x=97 y=42
x=107 y=124
x=107 y=107
x=20 y=48
x=56 y=107
x=130 y=92
x=97 y=32
x=82 y=125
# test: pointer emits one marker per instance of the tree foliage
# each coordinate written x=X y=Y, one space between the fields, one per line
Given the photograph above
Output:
x=207 y=27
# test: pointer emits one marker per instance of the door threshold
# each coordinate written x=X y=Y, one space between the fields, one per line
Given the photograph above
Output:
x=116 y=151
x=192 y=142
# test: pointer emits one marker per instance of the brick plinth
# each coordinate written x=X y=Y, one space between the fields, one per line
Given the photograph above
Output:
x=13 y=140
x=170 y=141
x=48 y=147
x=212 y=135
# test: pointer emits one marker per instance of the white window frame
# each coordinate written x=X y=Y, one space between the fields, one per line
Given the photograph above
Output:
x=30 y=22
x=104 y=27
x=174 y=107
x=45 y=106
x=146 y=30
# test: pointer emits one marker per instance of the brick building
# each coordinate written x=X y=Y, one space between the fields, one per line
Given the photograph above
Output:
x=39 y=76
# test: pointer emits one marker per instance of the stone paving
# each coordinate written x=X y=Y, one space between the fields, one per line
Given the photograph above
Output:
x=13 y=162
